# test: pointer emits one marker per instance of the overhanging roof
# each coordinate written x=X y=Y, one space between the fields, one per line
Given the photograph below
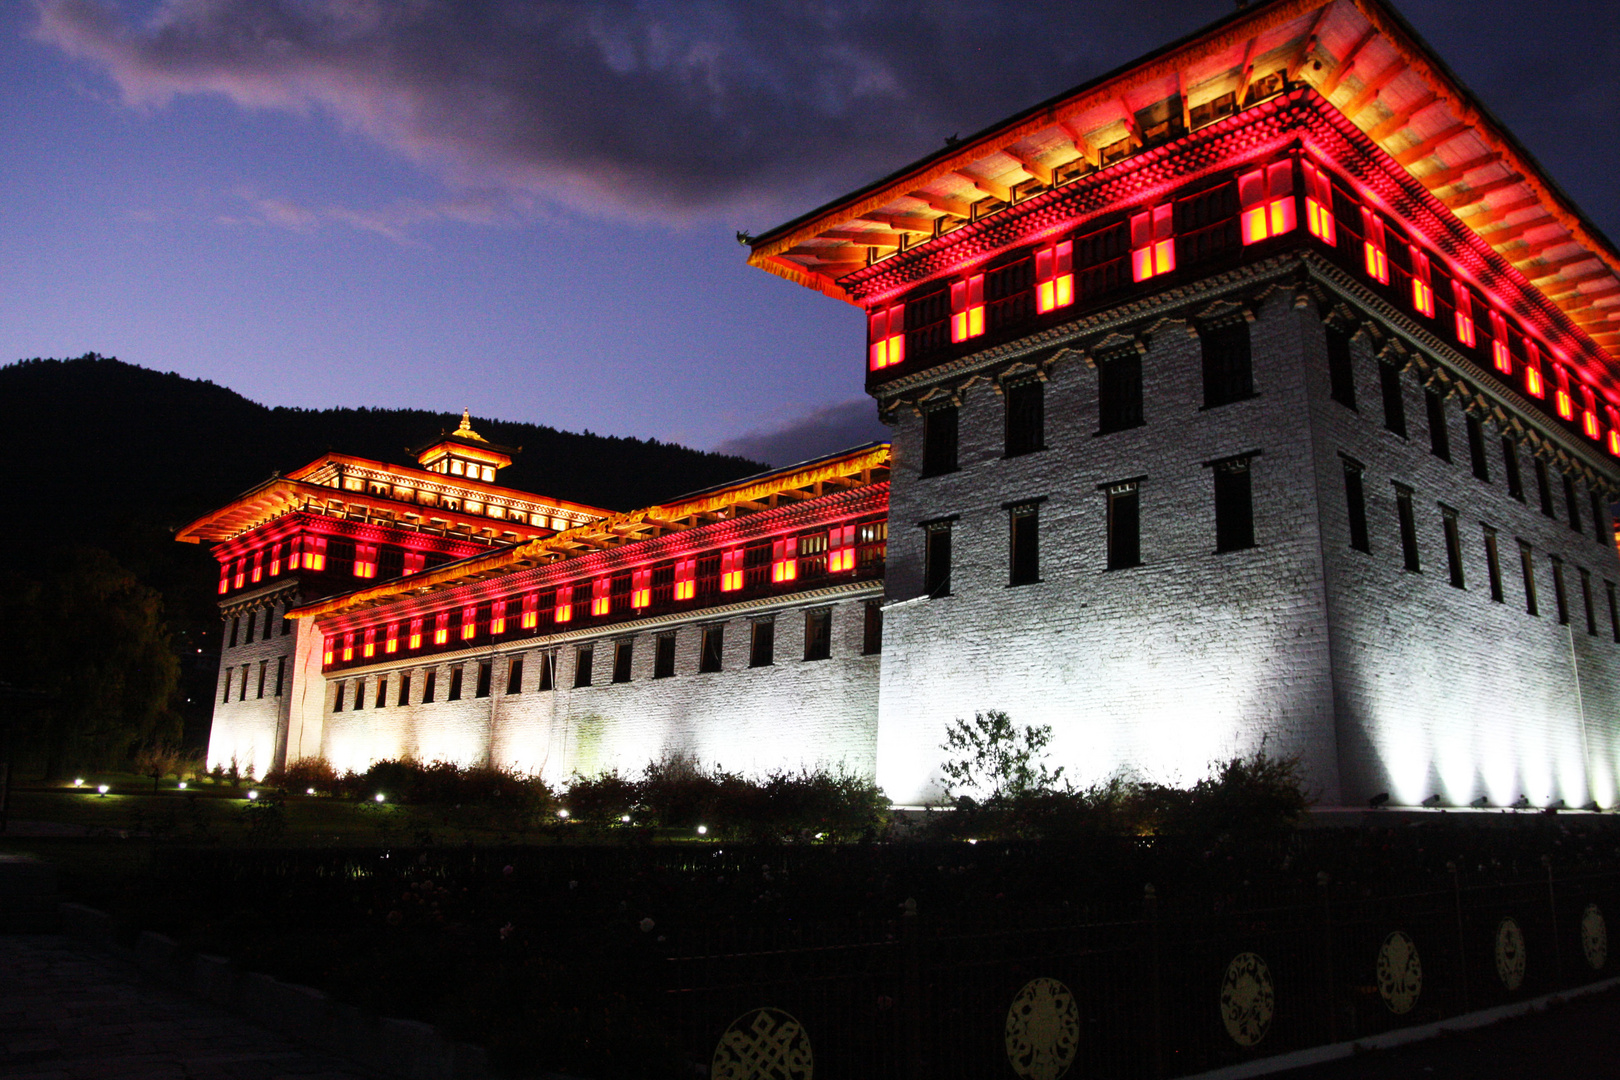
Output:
x=1358 y=54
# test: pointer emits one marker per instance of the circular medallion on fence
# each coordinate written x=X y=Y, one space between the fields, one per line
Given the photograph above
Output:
x=1043 y=1030
x=1400 y=973
x=1248 y=999
x=1594 y=937
x=764 y=1044
x=1510 y=954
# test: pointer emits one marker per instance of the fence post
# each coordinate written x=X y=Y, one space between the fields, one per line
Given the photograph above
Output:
x=1552 y=907
x=911 y=990
x=1323 y=879
x=1150 y=904
x=1462 y=938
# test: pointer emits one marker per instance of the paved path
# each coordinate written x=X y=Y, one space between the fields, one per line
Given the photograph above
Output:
x=68 y=1012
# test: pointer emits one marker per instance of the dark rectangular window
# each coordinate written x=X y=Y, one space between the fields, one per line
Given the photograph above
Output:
x=286 y=626
x=937 y=559
x=514 y=676
x=762 y=643
x=1341 y=369
x=1572 y=503
x=1544 y=488
x=1601 y=526
x=1355 y=499
x=430 y=684
x=1026 y=417
x=1510 y=465
x=1586 y=598
x=1476 y=448
x=454 y=693
x=247 y=633
x=1408 y=525
x=1119 y=392
x=382 y=692
x=818 y=633
x=1454 y=562
x=939 y=440
x=582 y=666
x=872 y=628
x=234 y=626
x=548 y=671
x=1493 y=564
x=264 y=666
x=225 y=699
x=481 y=687
x=1527 y=570
x=1228 y=367
x=1124 y=525
x=404 y=689
x=243 y=695
x=664 y=657
x=281 y=674
x=1024 y=544
x=623 y=656
x=1234 y=505
x=1389 y=381
x=1439 y=434
x=1559 y=593
x=337 y=698
x=1614 y=610
x=712 y=653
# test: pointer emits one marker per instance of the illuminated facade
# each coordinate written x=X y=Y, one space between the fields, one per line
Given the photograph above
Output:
x=1260 y=393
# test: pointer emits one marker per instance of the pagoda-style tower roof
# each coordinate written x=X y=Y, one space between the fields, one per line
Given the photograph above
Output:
x=466 y=446
x=1359 y=55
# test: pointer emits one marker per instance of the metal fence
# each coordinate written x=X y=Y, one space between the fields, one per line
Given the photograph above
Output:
x=1159 y=994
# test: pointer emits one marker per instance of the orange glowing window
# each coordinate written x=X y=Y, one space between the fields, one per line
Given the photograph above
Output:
x=1372 y=228
x=1614 y=430
x=1267 y=198
x=365 y=560
x=784 y=560
x=1464 y=303
x=967 y=308
x=391 y=642
x=1561 y=399
x=1153 y=243
x=564 y=611
x=1589 y=418
x=640 y=588
x=685 y=579
x=531 y=612
x=368 y=647
x=601 y=596
x=441 y=628
x=1499 y=344
x=888 y=336
x=348 y=646
x=840 y=549
x=497 y=617
x=224 y=578
x=414 y=562
x=241 y=573
x=1054 y=276
x=1319 y=206
x=414 y=641
x=327 y=655
x=314 y=553
x=469 y=623
x=731 y=570
x=258 y=566
x=276 y=551
x=1422 y=288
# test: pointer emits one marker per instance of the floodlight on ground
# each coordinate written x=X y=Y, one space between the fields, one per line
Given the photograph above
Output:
x=253 y=795
x=1481 y=803
x=562 y=815
x=182 y=785
x=309 y=791
x=78 y=781
x=1378 y=800
x=625 y=818
x=703 y=830
x=1432 y=800
x=103 y=789
x=379 y=796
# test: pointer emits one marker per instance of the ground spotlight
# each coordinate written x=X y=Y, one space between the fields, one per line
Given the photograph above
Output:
x=1378 y=800
x=703 y=830
x=1522 y=803
x=309 y=791
x=253 y=795
x=1432 y=800
x=625 y=818
x=562 y=815
x=182 y=785
x=1481 y=803
x=78 y=781
x=103 y=789
x=379 y=796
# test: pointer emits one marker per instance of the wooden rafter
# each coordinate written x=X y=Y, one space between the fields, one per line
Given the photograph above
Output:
x=1303 y=53
x=1541 y=273
x=906 y=223
x=1082 y=145
x=882 y=238
x=1372 y=88
x=953 y=207
x=1337 y=76
x=1030 y=165
x=1445 y=177
x=1475 y=194
x=989 y=187
x=1489 y=215
x=1416 y=153
x=1397 y=120
x=1246 y=70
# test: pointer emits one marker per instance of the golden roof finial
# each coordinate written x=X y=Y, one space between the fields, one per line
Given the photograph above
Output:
x=465 y=431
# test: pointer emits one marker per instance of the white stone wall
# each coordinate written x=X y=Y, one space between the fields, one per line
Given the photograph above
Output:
x=247 y=730
x=1441 y=690
x=793 y=714
x=1156 y=670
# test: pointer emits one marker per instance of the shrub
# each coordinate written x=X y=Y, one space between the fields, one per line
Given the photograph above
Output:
x=305 y=773
x=995 y=759
x=604 y=799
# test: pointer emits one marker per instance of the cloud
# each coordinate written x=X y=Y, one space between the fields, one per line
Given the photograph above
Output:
x=739 y=109
x=828 y=429
x=392 y=221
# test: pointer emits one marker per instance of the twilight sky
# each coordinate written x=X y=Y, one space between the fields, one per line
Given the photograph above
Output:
x=528 y=208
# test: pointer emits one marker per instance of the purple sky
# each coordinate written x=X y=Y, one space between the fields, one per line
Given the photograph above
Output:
x=528 y=208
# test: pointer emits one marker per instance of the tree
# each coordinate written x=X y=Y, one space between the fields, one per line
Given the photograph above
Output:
x=992 y=757
x=84 y=630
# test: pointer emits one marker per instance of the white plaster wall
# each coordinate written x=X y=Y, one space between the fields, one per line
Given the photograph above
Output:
x=1157 y=670
x=247 y=730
